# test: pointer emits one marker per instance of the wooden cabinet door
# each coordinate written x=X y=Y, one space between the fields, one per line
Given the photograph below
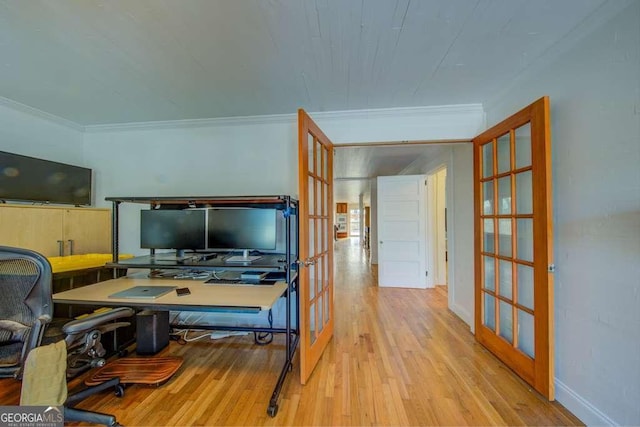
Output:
x=89 y=231
x=34 y=228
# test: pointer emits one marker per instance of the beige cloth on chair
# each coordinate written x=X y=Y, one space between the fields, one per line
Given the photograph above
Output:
x=44 y=382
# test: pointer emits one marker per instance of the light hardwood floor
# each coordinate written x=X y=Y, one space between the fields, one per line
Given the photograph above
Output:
x=398 y=357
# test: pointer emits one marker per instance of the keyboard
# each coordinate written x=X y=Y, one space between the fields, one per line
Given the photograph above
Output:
x=240 y=258
x=236 y=283
x=214 y=281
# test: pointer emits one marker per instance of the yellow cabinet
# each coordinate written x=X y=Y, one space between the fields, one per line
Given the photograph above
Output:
x=55 y=231
x=87 y=231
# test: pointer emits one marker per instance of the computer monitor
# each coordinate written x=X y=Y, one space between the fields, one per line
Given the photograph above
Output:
x=173 y=229
x=241 y=229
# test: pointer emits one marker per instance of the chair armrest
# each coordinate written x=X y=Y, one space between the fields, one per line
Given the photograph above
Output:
x=95 y=319
x=17 y=332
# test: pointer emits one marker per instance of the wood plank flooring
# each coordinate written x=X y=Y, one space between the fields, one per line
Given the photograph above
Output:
x=398 y=357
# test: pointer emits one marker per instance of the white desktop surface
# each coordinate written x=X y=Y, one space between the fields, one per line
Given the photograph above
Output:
x=202 y=295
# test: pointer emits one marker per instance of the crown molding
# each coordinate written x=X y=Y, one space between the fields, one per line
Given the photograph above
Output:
x=380 y=113
x=34 y=112
x=369 y=114
x=193 y=123
x=291 y=118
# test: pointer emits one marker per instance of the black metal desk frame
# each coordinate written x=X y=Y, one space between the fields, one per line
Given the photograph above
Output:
x=289 y=207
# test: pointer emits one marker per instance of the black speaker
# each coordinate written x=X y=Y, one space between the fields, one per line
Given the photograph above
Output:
x=152 y=331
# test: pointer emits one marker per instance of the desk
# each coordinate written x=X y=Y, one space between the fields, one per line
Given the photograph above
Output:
x=203 y=297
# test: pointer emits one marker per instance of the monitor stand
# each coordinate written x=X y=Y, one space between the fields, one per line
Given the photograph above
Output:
x=245 y=257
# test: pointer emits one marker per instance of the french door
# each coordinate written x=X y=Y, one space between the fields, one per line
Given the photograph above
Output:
x=514 y=244
x=316 y=242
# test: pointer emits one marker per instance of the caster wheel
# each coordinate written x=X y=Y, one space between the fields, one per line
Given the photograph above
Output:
x=123 y=353
x=272 y=410
x=119 y=390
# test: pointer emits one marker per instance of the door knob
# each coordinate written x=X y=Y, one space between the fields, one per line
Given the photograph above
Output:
x=308 y=262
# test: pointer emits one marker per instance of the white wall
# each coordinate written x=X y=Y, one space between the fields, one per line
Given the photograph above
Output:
x=402 y=124
x=594 y=90
x=30 y=132
x=216 y=158
x=461 y=263
x=458 y=159
x=239 y=156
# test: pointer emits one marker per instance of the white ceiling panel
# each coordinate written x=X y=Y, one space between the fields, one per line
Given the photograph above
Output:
x=354 y=167
x=121 y=61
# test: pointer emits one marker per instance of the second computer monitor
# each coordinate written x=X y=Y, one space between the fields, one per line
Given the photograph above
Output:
x=241 y=229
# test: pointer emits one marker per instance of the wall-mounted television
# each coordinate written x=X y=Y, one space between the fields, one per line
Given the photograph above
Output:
x=28 y=179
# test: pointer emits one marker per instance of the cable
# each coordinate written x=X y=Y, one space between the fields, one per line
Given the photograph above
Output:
x=185 y=333
x=208 y=334
x=215 y=274
x=264 y=338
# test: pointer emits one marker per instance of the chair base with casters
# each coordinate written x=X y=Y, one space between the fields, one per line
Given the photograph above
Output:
x=75 y=414
x=45 y=384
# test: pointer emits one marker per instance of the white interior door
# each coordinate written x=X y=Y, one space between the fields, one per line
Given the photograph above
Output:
x=402 y=248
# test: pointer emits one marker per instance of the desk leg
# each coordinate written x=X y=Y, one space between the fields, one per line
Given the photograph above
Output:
x=291 y=345
x=272 y=410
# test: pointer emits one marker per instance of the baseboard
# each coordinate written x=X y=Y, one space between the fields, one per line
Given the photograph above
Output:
x=581 y=408
x=463 y=314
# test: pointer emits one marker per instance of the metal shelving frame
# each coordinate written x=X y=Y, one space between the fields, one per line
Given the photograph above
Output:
x=289 y=208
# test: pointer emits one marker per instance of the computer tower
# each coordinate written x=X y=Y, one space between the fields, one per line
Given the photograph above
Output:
x=152 y=331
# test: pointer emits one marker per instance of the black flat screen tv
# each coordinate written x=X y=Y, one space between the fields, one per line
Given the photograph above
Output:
x=28 y=179
x=241 y=229
x=173 y=229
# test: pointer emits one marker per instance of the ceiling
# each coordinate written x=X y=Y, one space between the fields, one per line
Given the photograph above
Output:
x=97 y=62
x=353 y=167
x=117 y=61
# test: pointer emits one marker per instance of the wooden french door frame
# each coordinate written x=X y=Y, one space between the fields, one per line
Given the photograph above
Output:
x=505 y=267
x=315 y=185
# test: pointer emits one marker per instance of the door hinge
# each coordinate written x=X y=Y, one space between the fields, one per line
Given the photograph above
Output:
x=426 y=274
x=425 y=182
x=552 y=268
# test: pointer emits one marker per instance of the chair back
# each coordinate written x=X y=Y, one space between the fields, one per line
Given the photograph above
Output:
x=26 y=305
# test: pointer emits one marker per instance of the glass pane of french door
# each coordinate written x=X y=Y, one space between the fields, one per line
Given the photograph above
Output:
x=514 y=206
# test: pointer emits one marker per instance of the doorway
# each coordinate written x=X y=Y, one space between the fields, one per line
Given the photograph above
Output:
x=354 y=222
x=438 y=217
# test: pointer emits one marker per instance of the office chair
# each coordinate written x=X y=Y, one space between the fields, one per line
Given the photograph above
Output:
x=26 y=310
x=25 y=307
x=44 y=383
